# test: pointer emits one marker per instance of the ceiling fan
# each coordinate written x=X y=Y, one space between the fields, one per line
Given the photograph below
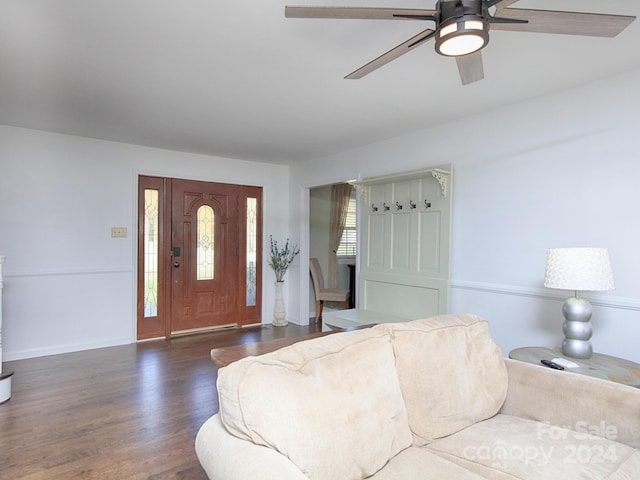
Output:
x=461 y=28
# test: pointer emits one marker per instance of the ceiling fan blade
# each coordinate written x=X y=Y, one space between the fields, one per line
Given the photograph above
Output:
x=500 y=4
x=392 y=54
x=493 y=20
x=568 y=23
x=470 y=67
x=360 y=13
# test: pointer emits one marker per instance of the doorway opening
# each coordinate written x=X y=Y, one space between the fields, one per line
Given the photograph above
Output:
x=333 y=239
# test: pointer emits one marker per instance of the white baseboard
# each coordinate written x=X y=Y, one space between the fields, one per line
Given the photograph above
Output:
x=42 y=352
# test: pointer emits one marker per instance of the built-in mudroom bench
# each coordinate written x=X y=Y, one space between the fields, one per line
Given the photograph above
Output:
x=405 y=249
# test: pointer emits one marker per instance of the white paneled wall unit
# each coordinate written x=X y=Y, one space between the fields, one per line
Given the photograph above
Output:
x=406 y=243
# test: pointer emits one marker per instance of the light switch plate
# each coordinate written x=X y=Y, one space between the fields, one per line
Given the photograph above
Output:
x=119 y=232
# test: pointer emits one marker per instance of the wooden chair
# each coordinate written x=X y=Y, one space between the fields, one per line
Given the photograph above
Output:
x=325 y=294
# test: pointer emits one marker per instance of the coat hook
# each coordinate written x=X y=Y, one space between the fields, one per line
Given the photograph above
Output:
x=374 y=208
x=385 y=206
x=411 y=204
x=427 y=204
x=398 y=206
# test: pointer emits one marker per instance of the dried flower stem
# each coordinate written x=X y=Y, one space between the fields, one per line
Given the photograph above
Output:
x=280 y=260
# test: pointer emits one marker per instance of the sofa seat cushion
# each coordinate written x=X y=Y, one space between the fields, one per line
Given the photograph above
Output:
x=419 y=463
x=506 y=447
x=452 y=373
x=332 y=405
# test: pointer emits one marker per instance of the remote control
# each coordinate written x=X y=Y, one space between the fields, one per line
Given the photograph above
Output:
x=551 y=364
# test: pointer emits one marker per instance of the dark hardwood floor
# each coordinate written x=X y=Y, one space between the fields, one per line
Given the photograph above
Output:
x=125 y=412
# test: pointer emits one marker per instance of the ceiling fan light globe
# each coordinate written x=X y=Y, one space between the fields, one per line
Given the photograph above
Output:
x=448 y=29
x=462 y=37
x=473 y=25
x=461 y=45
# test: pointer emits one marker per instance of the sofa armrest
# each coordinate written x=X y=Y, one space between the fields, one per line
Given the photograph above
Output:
x=574 y=401
x=225 y=457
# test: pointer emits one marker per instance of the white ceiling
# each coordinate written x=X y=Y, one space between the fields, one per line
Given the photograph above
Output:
x=234 y=78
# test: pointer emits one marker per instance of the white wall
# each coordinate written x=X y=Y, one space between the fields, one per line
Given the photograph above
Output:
x=556 y=171
x=68 y=284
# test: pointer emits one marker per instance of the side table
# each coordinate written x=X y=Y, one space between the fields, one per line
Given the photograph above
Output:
x=599 y=365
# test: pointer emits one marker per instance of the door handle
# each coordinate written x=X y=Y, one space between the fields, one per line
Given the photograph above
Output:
x=176 y=264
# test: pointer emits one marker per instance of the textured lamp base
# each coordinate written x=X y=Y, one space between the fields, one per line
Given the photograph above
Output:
x=577 y=328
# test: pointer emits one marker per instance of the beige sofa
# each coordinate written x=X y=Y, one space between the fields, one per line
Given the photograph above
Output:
x=428 y=399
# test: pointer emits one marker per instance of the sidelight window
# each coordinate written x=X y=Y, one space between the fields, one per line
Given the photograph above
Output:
x=151 y=231
x=252 y=252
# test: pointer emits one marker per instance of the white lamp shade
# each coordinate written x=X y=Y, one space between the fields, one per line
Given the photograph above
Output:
x=578 y=269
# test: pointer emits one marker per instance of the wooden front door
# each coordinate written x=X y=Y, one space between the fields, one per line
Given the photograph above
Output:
x=205 y=256
x=204 y=274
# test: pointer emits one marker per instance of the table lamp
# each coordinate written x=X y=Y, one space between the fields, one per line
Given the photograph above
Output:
x=578 y=269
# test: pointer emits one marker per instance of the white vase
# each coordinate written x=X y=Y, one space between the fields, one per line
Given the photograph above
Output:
x=279 y=315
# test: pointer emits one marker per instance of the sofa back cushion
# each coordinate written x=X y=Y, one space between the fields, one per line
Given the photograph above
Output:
x=332 y=405
x=451 y=372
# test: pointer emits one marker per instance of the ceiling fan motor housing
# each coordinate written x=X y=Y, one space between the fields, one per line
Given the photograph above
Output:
x=461 y=27
x=449 y=9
